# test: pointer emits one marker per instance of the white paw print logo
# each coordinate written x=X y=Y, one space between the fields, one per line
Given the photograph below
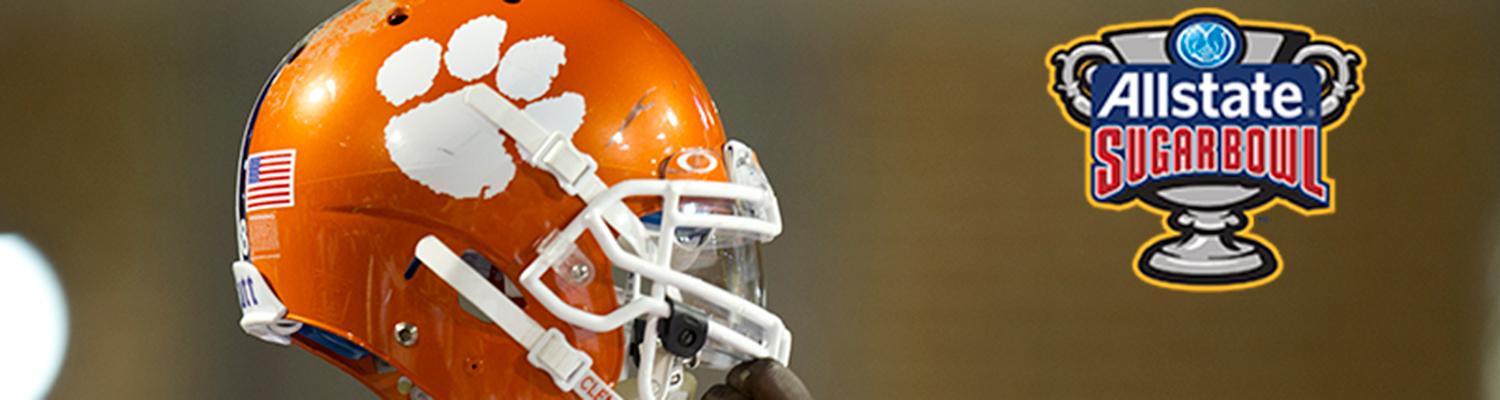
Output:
x=444 y=145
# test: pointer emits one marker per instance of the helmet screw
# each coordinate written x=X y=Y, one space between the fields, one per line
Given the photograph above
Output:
x=406 y=334
x=580 y=273
x=403 y=385
x=676 y=379
x=687 y=338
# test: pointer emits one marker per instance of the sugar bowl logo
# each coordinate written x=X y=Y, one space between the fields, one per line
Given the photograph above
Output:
x=1207 y=120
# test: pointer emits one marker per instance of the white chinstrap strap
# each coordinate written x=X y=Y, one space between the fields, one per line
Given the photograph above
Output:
x=547 y=150
x=548 y=349
x=550 y=151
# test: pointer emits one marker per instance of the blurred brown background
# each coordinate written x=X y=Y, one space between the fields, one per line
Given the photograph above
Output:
x=937 y=245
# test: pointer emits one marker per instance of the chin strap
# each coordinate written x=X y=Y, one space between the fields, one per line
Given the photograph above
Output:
x=550 y=151
x=553 y=152
x=548 y=349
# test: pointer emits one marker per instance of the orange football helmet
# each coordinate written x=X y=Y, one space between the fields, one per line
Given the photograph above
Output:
x=502 y=199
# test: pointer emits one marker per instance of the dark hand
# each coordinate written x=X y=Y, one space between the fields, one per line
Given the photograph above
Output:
x=760 y=380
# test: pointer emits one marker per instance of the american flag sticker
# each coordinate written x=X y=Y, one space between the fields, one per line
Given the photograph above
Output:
x=269 y=179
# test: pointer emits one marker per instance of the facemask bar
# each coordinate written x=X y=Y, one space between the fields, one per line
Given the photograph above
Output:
x=652 y=262
x=658 y=270
x=611 y=222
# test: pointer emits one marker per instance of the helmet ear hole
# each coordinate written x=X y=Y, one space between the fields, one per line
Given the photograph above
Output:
x=492 y=273
x=473 y=310
x=512 y=1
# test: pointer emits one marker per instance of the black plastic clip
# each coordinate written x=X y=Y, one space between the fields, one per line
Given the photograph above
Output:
x=684 y=332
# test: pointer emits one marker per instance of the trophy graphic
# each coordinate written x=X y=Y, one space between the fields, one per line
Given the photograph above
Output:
x=1207 y=251
x=1208 y=212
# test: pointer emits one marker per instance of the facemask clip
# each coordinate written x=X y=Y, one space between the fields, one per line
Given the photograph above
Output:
x=684 y=332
